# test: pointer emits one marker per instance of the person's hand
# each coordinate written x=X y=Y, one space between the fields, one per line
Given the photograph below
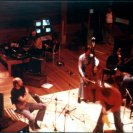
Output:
x=104 y=111
x=95 y=69
x=85 y=80
x=105 y=119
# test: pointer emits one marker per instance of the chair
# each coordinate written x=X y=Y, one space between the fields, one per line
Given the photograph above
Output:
x=111 y=66
x=14 y=115
x=131 y=108
x=52 y=49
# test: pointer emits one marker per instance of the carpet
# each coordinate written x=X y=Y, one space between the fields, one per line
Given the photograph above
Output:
x=64 y=114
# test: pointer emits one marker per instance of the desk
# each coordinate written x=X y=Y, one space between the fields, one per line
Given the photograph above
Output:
x=10 y=62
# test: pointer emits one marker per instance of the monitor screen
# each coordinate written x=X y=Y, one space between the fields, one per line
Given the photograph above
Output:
x=38 y=23
x=45 y=22
x=38 y=31
x=48 y=29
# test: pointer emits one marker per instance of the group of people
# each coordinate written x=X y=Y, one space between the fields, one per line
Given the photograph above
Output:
x=92 y=89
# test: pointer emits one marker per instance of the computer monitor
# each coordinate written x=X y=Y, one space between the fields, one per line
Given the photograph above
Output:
x=45 y=22
x=38 y=30
x=38 y=23
x=48 y=29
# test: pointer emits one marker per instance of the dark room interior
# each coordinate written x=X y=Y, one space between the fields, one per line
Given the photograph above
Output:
x=41 y=43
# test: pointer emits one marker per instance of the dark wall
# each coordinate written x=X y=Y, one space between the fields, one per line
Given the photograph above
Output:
x=17 y=17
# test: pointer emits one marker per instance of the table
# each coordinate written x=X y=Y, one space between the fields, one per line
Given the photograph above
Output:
x=10 y=62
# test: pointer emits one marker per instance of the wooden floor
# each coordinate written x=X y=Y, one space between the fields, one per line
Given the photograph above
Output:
x=59 y=76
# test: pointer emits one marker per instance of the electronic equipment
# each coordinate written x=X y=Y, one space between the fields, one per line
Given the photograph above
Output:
x=48 y=29
x=42 y=26
x=38 y=23
x=45 y=22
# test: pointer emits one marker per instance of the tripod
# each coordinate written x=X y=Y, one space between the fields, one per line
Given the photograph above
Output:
x=66 y=108
x=55 y=129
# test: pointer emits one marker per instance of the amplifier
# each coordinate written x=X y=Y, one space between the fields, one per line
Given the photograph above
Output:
x=34 y=79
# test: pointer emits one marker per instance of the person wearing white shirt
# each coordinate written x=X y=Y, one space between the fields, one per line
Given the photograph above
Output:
x=85 y=61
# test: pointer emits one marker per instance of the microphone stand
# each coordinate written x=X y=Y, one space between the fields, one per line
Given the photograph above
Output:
x=127 y=94
x=55 y=129
x=59 y=62
x=66 y=108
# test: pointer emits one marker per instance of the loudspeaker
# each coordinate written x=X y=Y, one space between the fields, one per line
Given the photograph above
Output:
x=37 y=65
x=1 y=104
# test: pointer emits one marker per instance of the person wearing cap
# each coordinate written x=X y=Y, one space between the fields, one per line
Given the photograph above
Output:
x=86 y=61
x=20 y=98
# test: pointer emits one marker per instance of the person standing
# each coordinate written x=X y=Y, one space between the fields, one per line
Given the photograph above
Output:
x=109 y=26
x=87 y=60
x=111 y=100
x=20 y=98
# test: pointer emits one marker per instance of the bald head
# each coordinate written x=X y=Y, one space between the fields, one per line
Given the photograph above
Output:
x=17 y=82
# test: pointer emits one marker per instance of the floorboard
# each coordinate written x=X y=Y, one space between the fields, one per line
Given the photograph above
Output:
x=62 y=77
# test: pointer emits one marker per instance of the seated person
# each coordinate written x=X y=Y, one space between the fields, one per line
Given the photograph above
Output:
x=126 y=86
x=127 y=66
x=20 y=98
x=48 y=45
x=36 y=45
x=114 y=60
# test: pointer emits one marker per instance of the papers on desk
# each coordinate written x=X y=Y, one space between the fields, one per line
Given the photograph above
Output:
x=47 y=85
